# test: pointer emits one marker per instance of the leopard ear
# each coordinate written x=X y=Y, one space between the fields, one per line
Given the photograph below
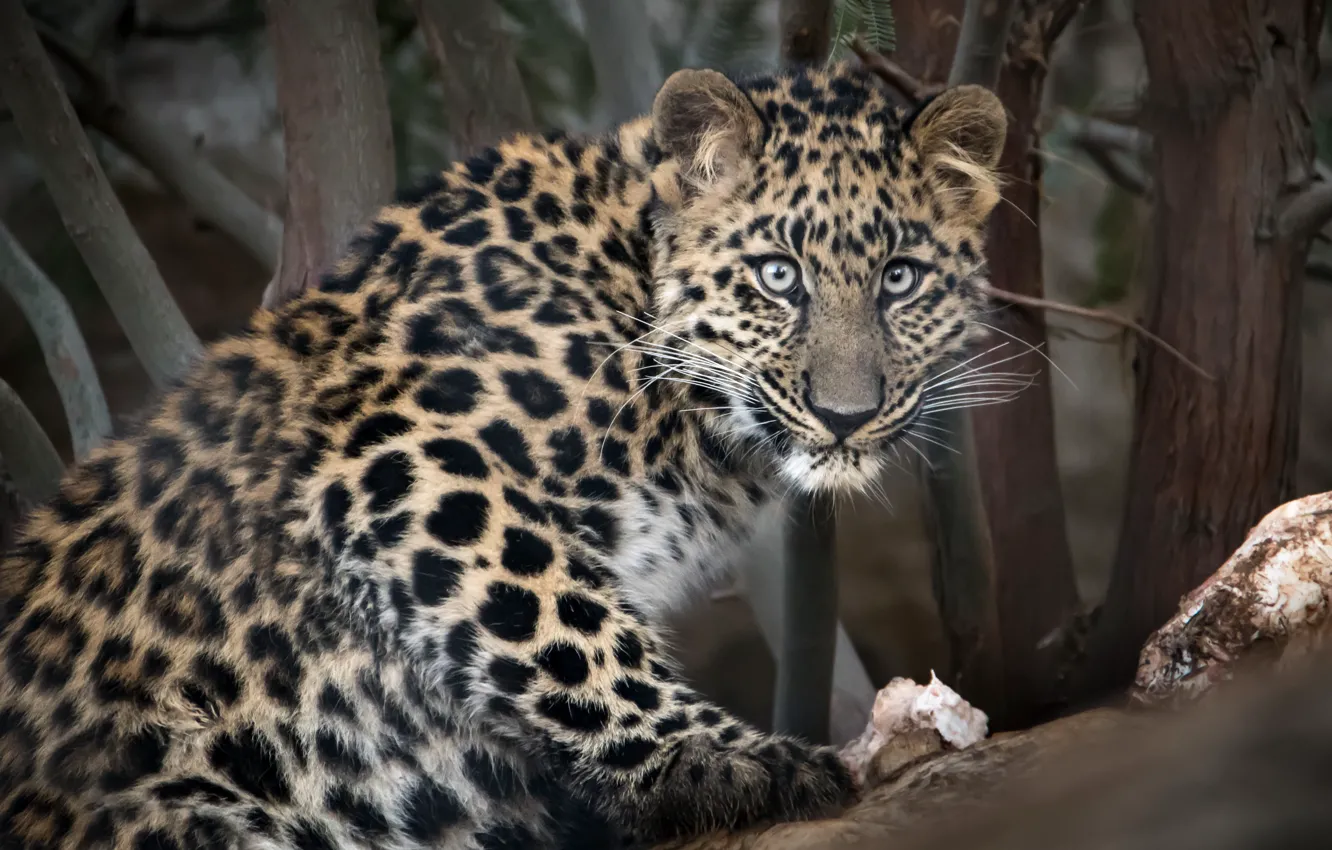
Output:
x=960 y=132
x=703 y=119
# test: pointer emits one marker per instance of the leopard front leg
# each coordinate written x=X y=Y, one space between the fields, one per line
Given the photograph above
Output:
x=718 y=772
x=560 y=655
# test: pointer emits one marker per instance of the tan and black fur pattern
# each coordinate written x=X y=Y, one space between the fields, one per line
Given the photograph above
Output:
x=384 y=571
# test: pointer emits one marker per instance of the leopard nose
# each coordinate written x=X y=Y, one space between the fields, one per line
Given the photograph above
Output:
x=843 y=423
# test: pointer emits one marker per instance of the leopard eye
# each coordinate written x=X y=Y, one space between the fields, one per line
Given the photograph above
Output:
x=900 y=278
x=777 y=275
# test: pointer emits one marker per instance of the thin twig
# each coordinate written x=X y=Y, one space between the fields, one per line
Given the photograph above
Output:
x=891 y=73
x=62 y=344
x=1105 y=316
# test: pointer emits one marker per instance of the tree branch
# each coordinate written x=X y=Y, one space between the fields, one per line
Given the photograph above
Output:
x=118 y=260
x=240 y=22
x=169 y=157
x=483 y=91
x=66 y=354
x=1108 y=144
x=31 y=461
x=97 y=22
x=981 y=42
x=1105 y=316
x=1318 y=270
x=1125 y=175
x=1306 y=213
x=190 y=176
x=891 y=73
x=1106 y=141
x=335 y=122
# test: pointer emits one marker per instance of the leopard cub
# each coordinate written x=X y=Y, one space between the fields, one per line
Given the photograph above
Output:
x=386 y=569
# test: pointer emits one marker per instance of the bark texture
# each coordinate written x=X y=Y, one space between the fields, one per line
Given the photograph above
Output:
x=335 y=123
x=926 y=37
x=478 y=69
x=1274 y=592
x=1226 y=103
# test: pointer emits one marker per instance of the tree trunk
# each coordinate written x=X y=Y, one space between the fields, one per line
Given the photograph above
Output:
x=806 y=30
x=1003 y=571
x=1226 y=102
x=1035 y=591
x=619 y=36
x=926 y=37
x=335 y=123
x=965 y=567
x=483 y=91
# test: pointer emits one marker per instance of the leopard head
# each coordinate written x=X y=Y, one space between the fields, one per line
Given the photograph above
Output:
x=818 y=255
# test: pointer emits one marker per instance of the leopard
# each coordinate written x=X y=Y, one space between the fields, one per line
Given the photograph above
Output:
x=389 y=566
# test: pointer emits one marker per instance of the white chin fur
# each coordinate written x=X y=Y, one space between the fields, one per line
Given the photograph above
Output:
x=835 y=472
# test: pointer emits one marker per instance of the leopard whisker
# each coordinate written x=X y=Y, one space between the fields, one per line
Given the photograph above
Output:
x=726 y=381
x=961 y=365
x=659 y=350
x=970 y=394
x=932 y=440
x=906 y=438
x=718 y=385
x=982 y=369
x=676 y=356
x=1033 y=348
x=969 y=404
x=685 y=340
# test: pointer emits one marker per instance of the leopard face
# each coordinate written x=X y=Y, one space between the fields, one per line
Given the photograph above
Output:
x=820 y=262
